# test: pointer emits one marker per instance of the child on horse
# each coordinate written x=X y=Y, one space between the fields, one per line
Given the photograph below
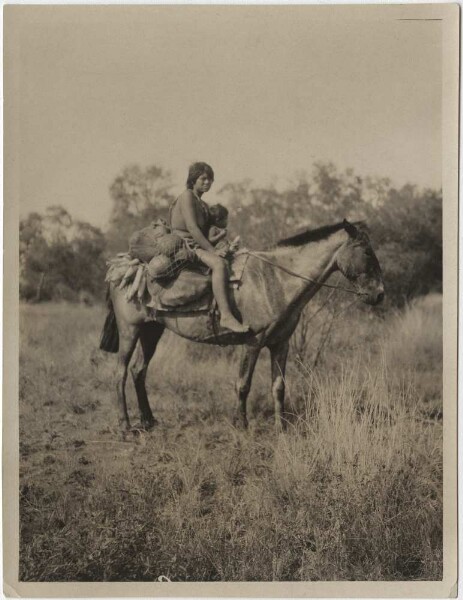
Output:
x=190 y=219
x=218 y=223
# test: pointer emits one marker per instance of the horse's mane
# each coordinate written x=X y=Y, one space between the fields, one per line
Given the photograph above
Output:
x=315 y=235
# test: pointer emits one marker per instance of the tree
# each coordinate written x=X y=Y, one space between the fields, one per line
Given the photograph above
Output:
x=408 y=233
x=59 y=257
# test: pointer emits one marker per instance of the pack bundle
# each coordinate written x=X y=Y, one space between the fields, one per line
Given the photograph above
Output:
x=164 y=252
x=144 y=244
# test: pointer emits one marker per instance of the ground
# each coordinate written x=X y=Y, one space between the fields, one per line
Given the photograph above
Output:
x=353 y=489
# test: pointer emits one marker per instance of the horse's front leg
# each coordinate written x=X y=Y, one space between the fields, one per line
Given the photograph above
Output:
x=279 y=355
x=243 y=385
x=128 y=337
x=150 y=334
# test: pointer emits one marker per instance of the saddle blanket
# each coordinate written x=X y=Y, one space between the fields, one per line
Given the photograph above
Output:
x=190 y=291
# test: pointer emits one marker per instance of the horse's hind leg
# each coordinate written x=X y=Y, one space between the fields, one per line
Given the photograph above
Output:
x=150 y=334
x=279 y=355
x=243 y=386
x=128 y=337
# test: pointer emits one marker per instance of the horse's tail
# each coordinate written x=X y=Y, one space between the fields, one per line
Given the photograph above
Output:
x=109 y=341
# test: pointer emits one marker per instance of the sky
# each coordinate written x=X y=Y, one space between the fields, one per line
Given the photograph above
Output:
x=258 y=93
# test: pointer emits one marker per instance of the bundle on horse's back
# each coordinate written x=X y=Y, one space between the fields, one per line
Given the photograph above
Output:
x=143 y=244
x=165 y=251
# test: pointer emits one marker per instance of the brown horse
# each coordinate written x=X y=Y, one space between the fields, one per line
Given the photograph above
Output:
x=275 y=287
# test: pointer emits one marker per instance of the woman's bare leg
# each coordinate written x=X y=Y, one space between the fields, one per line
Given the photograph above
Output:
x=219 y=287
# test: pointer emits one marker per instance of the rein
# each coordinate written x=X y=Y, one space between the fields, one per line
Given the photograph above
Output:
x=303 y=277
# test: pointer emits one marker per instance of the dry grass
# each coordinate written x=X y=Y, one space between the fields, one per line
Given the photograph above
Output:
x=352 y=491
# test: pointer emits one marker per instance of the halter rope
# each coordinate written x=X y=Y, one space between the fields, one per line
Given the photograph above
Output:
x=303 y=277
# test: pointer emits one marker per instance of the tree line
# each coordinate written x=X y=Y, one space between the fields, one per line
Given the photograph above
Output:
x=63 y=258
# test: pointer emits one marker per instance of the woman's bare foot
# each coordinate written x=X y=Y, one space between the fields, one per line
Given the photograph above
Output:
x=229 y=322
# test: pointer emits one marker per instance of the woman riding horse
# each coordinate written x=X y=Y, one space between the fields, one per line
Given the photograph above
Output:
x=189 y=218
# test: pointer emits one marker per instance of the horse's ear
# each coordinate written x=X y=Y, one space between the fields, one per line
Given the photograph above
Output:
x=351 y=229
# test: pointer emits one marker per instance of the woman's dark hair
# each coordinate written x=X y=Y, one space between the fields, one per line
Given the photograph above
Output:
x=196 y=170
x=217 y=213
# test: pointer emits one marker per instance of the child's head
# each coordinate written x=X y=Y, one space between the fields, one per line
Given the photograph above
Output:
x=218 y=215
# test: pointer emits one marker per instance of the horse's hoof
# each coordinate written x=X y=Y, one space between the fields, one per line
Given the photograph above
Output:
x=149 y=424
x=240 y=423
x=136 y=430
x=281 y=426
x=143 y=427
x=123 y=429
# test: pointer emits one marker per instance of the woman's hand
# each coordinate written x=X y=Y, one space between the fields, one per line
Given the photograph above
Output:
x=222 y=252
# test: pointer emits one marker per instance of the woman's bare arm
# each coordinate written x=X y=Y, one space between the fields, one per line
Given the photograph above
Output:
x=187 y=206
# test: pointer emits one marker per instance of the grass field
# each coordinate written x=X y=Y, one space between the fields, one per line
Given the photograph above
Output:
x=352 y=491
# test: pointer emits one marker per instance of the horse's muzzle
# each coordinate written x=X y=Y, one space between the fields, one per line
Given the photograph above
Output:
x=375 y=298
x=373 y=294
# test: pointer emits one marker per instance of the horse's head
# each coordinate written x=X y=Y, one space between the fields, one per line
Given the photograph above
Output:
x=357 y=261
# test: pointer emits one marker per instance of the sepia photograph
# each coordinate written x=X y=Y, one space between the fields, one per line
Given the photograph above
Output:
x=230 y=300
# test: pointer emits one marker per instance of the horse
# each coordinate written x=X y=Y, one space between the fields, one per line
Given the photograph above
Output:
x=275 y=287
